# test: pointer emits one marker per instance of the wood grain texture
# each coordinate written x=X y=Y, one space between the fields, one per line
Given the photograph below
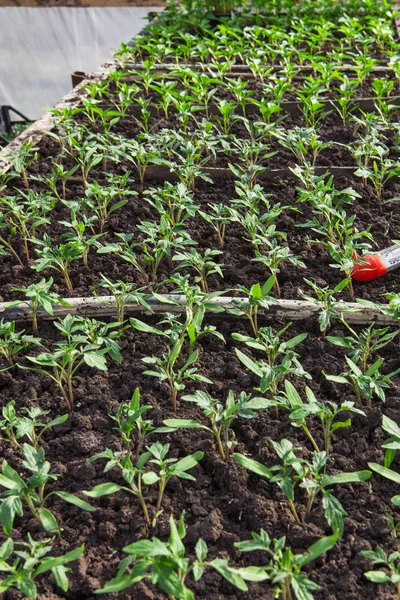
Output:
x=102 y=306
x=80 y=3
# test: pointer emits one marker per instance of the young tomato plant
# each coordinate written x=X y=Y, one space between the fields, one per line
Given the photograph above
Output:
x=327 y=303
x=133 y=428
x=19 y=493
x=123 y=294
x=281 y=358
x=203 y=265
x=133 y=474
x=15 y=428
x=363 y=345
x=164 y=368
x=273 y=257
x=12 y=341
x=167 y=566
x=221 y=416
x=257 y=297
x=82 y=344
x=326 y=412
x=30 y=562
x=58 y=257
x=170 y=467
x=365 y=385
x=389 y=562
x=284 y=568
x=309 y=475
x=38 y=295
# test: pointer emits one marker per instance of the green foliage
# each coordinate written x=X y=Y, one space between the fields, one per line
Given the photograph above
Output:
x=30 y=562
x=221 y=416
x=19 y=493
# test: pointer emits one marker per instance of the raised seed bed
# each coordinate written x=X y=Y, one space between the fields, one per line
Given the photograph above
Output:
x=225 y=504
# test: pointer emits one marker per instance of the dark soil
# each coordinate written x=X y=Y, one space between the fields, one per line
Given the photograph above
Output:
x=238 y=268
x=225 y=504
x=258 y=90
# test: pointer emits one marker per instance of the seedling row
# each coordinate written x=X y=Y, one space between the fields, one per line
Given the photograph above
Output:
x=171 y=433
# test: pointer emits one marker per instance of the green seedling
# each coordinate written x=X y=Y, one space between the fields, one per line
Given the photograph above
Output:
x=326 y=412
x=284 y=569
x=164 y=368
x=170 y=467
x=365 y=385
x=167 y=566
x=133 y=428
x=204 y=265
x=22 y=159
x=30 y=426
x=274 y=257
x=18 y=493
x=30 y=562
x=327 y=303
x=281 y=361
x=57 y=257
x=218 y=217
x=123 y=293
x=221 y=416
x=389 y=562
x=363 y=345
x=257 y=297
x=38 y=296
x=25 y=213
x=82 y=344
x=309 y=475
x=12 y=341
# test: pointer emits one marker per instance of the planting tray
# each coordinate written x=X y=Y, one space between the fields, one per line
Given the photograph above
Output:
x=291 y=309
x=223 y=503
x=104 y=306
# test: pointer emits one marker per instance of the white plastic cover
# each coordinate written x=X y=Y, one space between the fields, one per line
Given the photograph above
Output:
x=40 y=47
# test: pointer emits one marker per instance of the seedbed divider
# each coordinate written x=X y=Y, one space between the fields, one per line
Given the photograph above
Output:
x=104 y=306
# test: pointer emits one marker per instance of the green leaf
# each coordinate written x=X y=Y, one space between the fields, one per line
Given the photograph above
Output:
x=144 y=327
x=292 y=394
x=248 y=363
x=50 y=563
x=8 y=509
x=252 y=465
x=27 y=587
x=150 y=478
x=183 y=424
x=188 y=462
x=56 y=421
x=71 y=499
x=295 y=341
x=318 y=548
x=60 y=577
x=346 y=477
x=231 y=575
x=123 y=581
x=377 y=576
x=93 y=359
x=48 y=520
x=390 y=426
x=388 y=473
x=103 y=489
x=201 y=550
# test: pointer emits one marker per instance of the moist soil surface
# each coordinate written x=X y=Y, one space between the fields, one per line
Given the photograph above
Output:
x=381 y=218
x=225 y=503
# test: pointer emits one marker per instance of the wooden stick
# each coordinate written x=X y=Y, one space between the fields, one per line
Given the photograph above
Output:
x=104 y=306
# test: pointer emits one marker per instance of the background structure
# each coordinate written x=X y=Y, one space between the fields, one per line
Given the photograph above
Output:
x=40 y=47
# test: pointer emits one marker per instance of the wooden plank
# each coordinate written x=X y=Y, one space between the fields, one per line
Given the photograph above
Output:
x=104 y=306
x=80 y=3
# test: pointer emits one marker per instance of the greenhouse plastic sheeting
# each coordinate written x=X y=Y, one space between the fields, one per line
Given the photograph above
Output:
x=40 y=47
